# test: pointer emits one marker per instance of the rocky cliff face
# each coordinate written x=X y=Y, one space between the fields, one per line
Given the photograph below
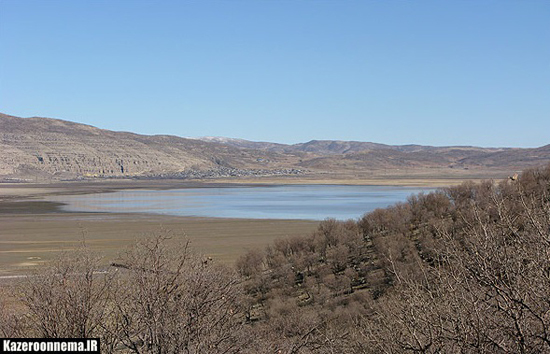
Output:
x=51 y=147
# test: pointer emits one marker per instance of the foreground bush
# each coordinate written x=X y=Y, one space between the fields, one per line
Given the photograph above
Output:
x=461 y=270
x=160 y=298
x=488 y=289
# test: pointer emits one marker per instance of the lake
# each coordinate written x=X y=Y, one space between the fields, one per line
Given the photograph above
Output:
x=310 y=202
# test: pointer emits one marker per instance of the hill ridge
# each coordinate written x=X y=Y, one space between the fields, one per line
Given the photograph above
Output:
x=48 y=148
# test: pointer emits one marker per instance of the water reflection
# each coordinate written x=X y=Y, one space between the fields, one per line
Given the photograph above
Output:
x=315 y=202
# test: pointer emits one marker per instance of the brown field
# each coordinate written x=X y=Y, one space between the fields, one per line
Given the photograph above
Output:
x=30 y=240
x=413 y=177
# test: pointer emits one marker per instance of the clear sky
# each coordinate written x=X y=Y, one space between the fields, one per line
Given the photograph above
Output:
x=435 y=72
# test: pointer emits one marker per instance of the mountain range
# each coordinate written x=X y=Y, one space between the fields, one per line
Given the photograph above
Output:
x=44 y=148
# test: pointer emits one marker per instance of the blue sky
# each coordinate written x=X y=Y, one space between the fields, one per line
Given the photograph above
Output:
x=398 y=72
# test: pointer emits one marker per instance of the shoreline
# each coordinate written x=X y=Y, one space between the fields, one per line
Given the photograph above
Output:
x=40 y=199
x=24 y=190
x=33 y=230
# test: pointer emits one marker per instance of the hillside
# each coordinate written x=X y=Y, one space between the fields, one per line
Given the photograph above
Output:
x=361 y=156
x=52 y=148
x=444 y=272
x=339 y=147
x=45 y=148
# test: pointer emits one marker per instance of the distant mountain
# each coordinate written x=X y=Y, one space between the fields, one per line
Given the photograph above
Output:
x=335 y=147
x=245 y=144
x=339 y=147
x=45 y=148
x=511 y=157
x=320 y=147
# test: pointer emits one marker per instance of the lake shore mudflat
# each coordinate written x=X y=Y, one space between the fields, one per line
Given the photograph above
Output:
x=27 y=241
x=32 y=230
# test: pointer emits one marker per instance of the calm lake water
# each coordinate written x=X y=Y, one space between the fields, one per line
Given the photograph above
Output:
x=313 y=202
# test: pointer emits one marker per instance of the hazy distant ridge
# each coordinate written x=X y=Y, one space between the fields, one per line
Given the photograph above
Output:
x=45 y=148
x=336 y=147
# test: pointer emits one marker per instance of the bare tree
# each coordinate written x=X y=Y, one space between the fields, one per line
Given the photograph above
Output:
x=488 y=290
x=11 y=322
x=69 y=298
x=171 y=301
